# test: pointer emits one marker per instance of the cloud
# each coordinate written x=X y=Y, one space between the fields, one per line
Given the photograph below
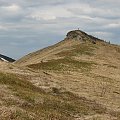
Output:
x=11 y=8
x=113 y=25
x=2 y=27
x=41 y=16
x=27 y=25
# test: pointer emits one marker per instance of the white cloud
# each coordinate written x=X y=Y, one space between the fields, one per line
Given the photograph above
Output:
x=41 y=16
x=11 y=8
x=49 y=13
x=3 y=27
x=113 y=25
x=93 y=11
x=105 y=34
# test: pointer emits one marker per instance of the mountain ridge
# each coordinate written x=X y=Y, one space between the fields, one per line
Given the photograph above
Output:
x=72 y=38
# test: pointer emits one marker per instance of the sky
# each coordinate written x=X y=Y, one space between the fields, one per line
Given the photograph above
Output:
x=30 y=25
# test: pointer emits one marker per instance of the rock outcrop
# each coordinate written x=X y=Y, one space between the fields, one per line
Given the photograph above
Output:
x=82 y=36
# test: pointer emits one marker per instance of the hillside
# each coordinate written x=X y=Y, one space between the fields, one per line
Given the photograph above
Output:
x=75 y=79
x=72 y=40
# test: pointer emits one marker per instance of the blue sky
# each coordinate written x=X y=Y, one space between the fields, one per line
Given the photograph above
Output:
x=29 y=25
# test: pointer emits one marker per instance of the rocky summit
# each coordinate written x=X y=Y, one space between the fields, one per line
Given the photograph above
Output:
x=82 y=36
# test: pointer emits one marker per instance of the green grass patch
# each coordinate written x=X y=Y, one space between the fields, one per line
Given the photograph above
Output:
x=63 y=65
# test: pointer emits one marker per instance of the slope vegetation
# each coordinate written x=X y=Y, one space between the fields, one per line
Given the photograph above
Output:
x=76 y=79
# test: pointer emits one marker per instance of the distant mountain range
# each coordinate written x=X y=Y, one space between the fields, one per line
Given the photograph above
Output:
x=5 y=58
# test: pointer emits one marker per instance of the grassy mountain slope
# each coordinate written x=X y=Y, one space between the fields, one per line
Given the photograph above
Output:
x=20 y=99
x=76 y=79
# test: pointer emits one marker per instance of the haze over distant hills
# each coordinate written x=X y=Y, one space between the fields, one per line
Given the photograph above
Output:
x=75 y=79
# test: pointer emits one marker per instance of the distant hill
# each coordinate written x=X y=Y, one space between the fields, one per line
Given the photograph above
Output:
x=5 y=58
x=76 y=39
